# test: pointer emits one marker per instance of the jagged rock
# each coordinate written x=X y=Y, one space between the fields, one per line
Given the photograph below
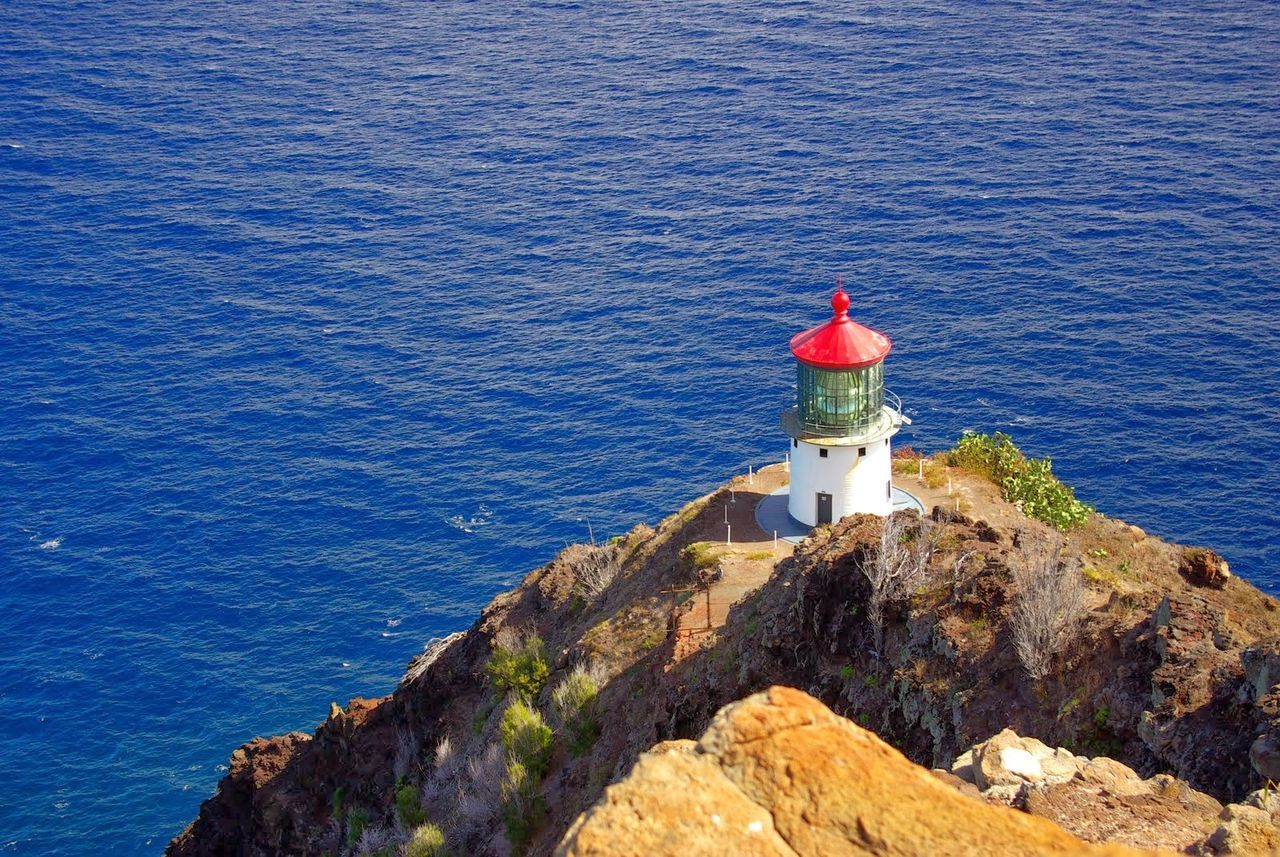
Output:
x=779 y=774
x=1203 y=567
x=1246 y=830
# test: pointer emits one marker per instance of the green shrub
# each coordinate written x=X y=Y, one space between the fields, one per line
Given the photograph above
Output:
x=357 y=821
x=702 y=555
x=408 y=808
x=526 y=738
x=520 y=669
x=522 y=809
x=575 y=700
x=427 y=841
x=1028 y=482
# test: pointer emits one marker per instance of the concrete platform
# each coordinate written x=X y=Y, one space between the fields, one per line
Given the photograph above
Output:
x=771 y=513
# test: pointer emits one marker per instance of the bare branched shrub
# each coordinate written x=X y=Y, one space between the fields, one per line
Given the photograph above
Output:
x=478 y=796
x=1047 y=605
x=959 y=568
x=898 y=569
x=375 y=839
x=594 y=568
x=406 y=754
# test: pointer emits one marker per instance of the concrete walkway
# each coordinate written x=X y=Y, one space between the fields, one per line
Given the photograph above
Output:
x=771 y=513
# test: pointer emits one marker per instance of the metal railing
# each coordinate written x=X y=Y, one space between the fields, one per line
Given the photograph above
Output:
x=889 y=416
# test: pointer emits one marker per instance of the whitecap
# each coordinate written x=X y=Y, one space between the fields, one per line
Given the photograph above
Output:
x=221 y=768
x=387 y=634
x=51 y=544
x=61 y=804
x=481 y=518
x=391 y=623
x=13 y=145
x=346 y=664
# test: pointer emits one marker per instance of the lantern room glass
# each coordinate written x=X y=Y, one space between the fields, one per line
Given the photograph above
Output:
x=847 y=400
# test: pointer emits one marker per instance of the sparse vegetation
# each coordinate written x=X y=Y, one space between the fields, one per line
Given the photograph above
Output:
x=898 y=569
x=631 y=632
x=575 y=700
x=1028 y=482
x=594 y=568
x=519 y=667
x=357 y=821
x=1047 y=605
x=408 y=808
x=702 y=555
x=427 y=841
x=522 y=809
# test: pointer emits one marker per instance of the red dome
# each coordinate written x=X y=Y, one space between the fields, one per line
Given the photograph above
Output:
x=840 y=342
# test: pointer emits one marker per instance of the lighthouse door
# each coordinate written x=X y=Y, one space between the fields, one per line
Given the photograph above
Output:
x=824 y=508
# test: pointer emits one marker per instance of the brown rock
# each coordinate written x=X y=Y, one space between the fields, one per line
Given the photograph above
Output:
x=778 y=773
x=1113 y=777
x=1246 y=830
x=1203 y=567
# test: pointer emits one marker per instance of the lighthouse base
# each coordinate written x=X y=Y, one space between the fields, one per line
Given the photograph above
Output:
x=772 y=516
x=832 y=480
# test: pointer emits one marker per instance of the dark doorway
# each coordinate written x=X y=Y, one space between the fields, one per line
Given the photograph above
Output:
x=824 y=508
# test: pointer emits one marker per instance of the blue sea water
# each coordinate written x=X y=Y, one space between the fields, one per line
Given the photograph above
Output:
x=323 y=322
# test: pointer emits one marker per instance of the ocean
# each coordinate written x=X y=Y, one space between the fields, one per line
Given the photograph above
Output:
x=323 y=322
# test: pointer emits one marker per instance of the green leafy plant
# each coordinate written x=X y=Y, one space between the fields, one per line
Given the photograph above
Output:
x=1028 y=482
x=847 y=672
x=520 y=668
x=408 y=809
x=526 y=738
x=427 y=841
x=522 y=809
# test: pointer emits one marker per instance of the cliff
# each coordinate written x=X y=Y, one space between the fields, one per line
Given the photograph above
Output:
x=1172 y=669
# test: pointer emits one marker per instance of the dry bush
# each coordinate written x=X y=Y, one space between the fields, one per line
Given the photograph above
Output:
x=900 y=568
x=1048 y=604
x=594 y=568
x=406 y=754
x=376 y=839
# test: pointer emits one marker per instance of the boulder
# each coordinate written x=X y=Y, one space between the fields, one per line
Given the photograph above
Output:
x=1007 y=759
x=1203 y=567
x=779 y=774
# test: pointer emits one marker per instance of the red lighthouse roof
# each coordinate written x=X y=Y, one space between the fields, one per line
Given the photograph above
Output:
x=840 y=342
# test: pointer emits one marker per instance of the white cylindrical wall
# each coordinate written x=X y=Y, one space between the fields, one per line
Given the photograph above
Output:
x=856 y=483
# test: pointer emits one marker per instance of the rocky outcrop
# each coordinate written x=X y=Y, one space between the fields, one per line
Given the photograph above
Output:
x=1163 y=676
x=779 y=774
x=1102 y=800
x=1203 y=567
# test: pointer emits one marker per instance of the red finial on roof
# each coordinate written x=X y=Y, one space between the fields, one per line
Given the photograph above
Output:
x=840 y=342
x=840 y=301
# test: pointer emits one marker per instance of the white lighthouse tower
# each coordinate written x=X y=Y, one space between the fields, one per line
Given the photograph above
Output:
x=842 y=422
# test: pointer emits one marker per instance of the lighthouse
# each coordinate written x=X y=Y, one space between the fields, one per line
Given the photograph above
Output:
x=842 y=421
